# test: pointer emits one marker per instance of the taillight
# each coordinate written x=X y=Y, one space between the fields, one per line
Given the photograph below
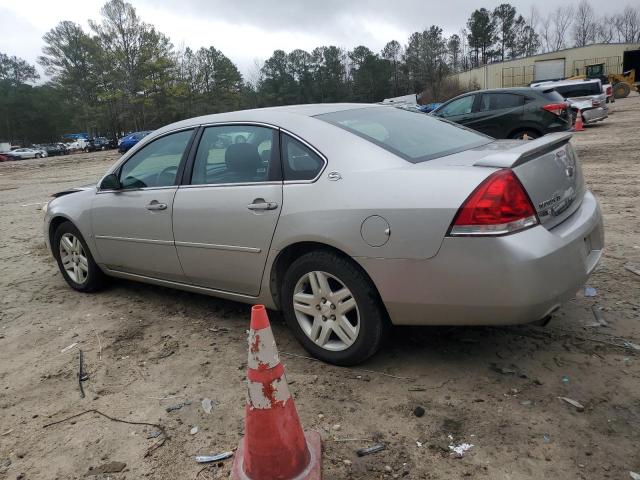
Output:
x=555 y=108
x=498 y=206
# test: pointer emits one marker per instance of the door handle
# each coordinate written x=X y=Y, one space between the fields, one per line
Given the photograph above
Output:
x=155 y=205
x=260 y=204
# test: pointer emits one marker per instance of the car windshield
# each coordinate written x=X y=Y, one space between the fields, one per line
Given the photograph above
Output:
x=414 y=136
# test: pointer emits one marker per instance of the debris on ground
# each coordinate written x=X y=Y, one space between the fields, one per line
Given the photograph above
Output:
x=419 y=411
x=631 y=345
x=194 y=430
x=82 y=376
x=570 y=401
x=632 y=269
x=66 y=349
x=599 y=316
x=207 y=405
x=177 y=406
x=461 y=449
x=565 y=380
x=111 y=467
x=213 y=458
x=372 y=449
x=154 y=434
x=590 y=292
x=634 y=475
x=503 y=369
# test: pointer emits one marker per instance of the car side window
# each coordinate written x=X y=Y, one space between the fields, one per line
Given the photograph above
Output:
x=462 y=106
x=299 y=161
x=498 y=101
x=156 y=164
x=235 y=154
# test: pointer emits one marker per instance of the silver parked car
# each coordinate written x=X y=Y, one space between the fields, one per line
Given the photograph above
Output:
x=22 y=153
x=346 y=217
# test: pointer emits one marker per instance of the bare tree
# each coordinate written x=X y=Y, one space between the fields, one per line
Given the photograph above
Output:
x=585 y=25
x=627 y=25
x=555 y=28
x=606 y=29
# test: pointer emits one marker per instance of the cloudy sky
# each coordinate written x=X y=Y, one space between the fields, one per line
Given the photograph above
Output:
x=246 y=30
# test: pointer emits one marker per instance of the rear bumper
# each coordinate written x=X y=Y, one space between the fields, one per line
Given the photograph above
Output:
x=513 y=279
x=593 y=115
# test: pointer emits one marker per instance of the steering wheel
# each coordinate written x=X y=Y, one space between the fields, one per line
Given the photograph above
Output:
x=167 y=176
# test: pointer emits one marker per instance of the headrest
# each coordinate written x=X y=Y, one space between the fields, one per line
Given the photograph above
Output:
x=242 y=157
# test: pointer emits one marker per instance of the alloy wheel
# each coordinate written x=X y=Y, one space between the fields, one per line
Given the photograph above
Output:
x=326 y=311
x=74 y=259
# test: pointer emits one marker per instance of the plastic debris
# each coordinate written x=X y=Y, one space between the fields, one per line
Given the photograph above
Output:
x=631 y=345
x=546 y=438
x=213 y=458
x=460 y=450
x=177 y=406
x=66 y=349
x=207 y=405
x=565 y=380
x=372 y=449
x=418 y=444
x=570 y=401
x=154 y=434
x=634 y=475
x=590 y=292
x=194 y=430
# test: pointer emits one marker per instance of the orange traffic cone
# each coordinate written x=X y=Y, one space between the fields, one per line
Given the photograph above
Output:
x=274 y=446
x=578 y=127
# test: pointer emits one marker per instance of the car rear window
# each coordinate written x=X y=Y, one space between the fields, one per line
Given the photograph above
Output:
x=413 y=136
x=552 y=95
x=579 y=90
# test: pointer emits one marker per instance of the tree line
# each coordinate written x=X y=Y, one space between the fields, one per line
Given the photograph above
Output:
x=124 y=75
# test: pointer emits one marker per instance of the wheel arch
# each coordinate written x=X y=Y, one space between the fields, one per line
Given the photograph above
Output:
x=292 y=252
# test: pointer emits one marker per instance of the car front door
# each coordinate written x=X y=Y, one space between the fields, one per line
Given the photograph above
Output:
x=132 y=224
x=459 y=110
x=498 y=114
x=225 y=217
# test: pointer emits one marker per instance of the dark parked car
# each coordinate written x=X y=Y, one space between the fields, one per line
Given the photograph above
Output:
x=130 y=140
x=100 y=143
x=53 y=149
x=509 y=112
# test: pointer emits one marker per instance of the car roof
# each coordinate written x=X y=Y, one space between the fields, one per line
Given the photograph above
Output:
x=562 y=83
x=286 y=116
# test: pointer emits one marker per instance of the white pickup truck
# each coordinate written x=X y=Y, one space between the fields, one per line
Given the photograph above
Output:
x=587 y=96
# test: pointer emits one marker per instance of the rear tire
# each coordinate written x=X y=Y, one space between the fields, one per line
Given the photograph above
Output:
x=621 y=90
x=343 y=300
x=75 y=261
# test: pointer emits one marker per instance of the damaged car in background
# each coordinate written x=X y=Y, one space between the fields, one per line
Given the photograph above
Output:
x=348 y=218
x=587 y=96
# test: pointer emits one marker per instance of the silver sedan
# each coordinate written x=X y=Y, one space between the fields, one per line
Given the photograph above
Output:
x=22 y=153
x=348 y=218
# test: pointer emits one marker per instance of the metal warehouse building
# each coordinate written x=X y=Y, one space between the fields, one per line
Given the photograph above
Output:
x=547 y=66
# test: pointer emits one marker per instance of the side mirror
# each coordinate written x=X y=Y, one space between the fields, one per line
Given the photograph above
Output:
x=110 y=182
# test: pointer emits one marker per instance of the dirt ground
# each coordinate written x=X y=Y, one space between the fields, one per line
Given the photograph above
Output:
x=147 y=348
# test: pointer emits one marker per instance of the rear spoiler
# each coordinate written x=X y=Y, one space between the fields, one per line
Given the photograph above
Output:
x=523 y=153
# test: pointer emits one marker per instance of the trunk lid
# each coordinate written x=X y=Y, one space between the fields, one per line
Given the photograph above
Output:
x=549 y=170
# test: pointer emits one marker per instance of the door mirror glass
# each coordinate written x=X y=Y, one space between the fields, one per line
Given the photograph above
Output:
x=110 y=182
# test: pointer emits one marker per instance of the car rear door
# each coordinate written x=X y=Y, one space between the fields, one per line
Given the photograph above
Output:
x=225 y=215
x=498 y=114
x=132 y=225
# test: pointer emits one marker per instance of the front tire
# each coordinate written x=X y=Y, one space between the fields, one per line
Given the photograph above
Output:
x=75 y=261
x=333 y=308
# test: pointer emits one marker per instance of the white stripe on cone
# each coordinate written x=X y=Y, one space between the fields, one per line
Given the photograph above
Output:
x=277 y=392
x=263 y=352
